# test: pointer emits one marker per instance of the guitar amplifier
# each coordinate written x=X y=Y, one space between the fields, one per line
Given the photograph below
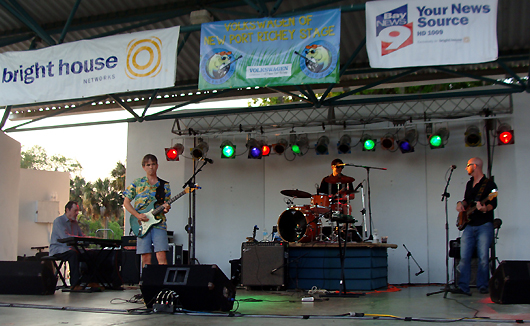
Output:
x=263 y=264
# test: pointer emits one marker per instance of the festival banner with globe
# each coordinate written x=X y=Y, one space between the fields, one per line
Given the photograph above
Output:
x=292 y=50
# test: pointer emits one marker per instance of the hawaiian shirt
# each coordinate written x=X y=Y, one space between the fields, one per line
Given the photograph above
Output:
x=142 y=194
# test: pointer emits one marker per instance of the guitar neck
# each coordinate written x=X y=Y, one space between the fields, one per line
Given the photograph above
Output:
x=472 y=209
x=160 y=208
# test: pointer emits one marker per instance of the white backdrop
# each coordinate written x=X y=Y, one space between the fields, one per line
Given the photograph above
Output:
x=406 y=199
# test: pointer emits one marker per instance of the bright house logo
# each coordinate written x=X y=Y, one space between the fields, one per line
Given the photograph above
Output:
x=144 y=58
x=393 y=30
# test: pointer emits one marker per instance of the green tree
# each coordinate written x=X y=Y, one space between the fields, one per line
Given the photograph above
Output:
x=36 y=158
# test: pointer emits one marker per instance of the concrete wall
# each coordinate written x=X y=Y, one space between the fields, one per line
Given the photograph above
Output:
x=39 y=186
x=405 y=199
x=9 y=185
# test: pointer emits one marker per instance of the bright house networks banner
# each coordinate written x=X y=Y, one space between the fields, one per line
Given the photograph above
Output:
x=430 y=32
x=292 y=50
x=121 y=63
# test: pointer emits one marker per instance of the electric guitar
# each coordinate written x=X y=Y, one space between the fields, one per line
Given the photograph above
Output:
x=140 y=228
x=463 y=217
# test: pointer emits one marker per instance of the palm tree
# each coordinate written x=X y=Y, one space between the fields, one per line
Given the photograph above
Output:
x=101 y=200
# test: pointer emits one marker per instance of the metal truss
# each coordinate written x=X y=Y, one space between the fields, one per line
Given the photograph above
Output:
x=397 y=112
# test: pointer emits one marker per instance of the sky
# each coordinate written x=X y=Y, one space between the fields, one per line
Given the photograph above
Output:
x=97 y=148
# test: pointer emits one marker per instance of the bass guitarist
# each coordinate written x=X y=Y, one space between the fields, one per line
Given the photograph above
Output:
x=478 y=229
x=142 y=192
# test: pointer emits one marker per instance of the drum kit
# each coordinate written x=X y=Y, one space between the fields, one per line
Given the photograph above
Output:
x=304 y=223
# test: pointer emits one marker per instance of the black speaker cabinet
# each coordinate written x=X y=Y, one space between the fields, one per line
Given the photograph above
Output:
x=510 y=282
x=27 y=277
x=262 y=264
x=199 y=287
x=130 y=267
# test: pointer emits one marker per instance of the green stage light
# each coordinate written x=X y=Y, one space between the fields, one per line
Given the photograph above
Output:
x=439 y=139
x=228 y=150
x=368 y=143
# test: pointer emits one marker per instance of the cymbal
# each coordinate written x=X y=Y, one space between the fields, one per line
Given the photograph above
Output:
x=296 y=193
x=339 y=179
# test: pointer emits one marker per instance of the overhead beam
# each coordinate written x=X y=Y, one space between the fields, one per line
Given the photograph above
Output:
x=6 y=115
x=18 y=12
x=69 y=21
x=125 y=106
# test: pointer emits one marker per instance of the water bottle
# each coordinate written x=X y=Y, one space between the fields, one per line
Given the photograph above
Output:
x=265 y=234
x=376 y=237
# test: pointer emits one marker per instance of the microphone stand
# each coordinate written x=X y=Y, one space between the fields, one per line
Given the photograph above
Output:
x=190 y=228
x=446 y=195
x=409 y=255
x=368 y=186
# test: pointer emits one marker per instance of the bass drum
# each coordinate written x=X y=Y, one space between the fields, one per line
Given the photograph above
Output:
x=295 y=226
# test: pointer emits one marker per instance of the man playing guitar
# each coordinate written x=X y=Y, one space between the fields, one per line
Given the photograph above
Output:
x=142 y=192
x=478 y=230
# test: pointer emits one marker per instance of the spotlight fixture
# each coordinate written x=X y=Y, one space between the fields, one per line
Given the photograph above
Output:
x=343 y=146
x=299 y=147
x=265 y=149
x=200 y=150
x=228 y=150
x=322 y=146
x=173 y=153
x=439 y=139
x=387 y=142
x=279 y=148
x=505 y=135
x=368 y=143
x=406 y=145
x=473 y=137
x=254 y=149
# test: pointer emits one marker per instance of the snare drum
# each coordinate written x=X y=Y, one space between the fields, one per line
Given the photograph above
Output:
x=295 y=226
x=320 y=204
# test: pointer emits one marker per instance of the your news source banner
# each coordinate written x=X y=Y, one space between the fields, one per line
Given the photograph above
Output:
x=114 y=64
x=302 y=49
x=430 y=32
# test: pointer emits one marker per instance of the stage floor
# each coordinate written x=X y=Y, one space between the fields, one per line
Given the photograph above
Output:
x=253 y=307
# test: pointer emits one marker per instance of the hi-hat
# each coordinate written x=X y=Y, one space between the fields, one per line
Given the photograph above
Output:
x=296 y=193
x=339 y=179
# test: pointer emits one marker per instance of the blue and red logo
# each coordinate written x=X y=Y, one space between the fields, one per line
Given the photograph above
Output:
x=393 y=30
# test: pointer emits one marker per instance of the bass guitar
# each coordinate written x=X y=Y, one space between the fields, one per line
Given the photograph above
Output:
x=140 y=228
x=463 y=217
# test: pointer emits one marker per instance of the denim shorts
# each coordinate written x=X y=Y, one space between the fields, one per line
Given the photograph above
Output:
x=156 y=237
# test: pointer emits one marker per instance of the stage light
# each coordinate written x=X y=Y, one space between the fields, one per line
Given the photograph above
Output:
x=407 y=144
x=200 y=150
x=473 y=137
x=279 y=148
x=505 y=135
x=265 y=150
x=228 y=150
x=322 y=146
x=439 y=139
x=300 y=146
x=254 y=149
x=368 y=143
x=343 y=146
x=387 y=142
x=173 y=153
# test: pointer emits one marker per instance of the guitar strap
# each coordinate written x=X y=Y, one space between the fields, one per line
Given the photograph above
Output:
x=160 y=194
x=481 y=190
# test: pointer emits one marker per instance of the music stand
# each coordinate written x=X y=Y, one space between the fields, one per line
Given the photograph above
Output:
x=446 y=195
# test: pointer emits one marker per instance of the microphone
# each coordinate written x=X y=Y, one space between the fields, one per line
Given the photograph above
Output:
x=340 y=164
x=208 y=160
x=453 y=166
x=418 y=273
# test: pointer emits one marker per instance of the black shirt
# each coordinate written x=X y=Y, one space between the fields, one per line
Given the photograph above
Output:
x=324 y=186
x=470 y=196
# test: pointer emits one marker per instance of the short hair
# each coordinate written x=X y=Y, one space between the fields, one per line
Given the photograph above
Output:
x=69 y=205
x=336 y=161
x=149 y=157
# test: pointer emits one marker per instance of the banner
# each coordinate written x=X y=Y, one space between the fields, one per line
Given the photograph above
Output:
x=295 y=50
x=430 y=32
x=113 y=64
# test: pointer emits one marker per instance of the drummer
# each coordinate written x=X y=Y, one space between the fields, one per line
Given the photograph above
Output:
x=332 y=184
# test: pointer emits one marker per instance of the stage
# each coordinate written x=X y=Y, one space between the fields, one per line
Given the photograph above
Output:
x=389 y=306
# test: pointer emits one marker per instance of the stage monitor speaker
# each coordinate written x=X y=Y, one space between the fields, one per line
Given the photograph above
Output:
x=510 y=282
x=27 y=277
x=198 y=287
x=263 y=264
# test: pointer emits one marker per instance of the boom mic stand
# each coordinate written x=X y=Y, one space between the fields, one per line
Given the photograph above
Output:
x=446 y=195
x=368 y=186
x=409 y=255
x=190 y=227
